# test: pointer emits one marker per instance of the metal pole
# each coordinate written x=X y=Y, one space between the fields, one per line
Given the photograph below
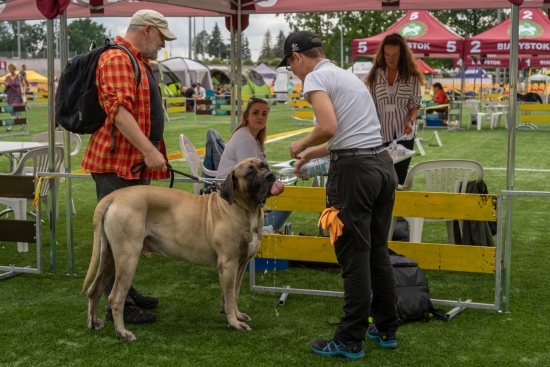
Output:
x=234 y=77
x=462 y=87
x=203 y=40
x=497 y=71
x=52 y=196
x=238 y=57
x=510 y=163
x=190 y=41
x=233 y=74
x=64 y=57
x=18 y=40
x=341 y=42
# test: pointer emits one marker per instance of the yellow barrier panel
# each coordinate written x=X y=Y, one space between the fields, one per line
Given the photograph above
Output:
x=534 y=107
x=303 y=114
x=407 y=203
x=534 y=118
x=302 y=103
x=477 y=259
x=433 y=256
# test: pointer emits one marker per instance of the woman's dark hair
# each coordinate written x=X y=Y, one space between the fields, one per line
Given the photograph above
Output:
x=438 y=85
x=406 y=65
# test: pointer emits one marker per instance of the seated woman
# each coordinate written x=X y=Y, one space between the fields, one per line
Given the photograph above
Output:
x=440 y=97
x=248 y=140
x=439 y=94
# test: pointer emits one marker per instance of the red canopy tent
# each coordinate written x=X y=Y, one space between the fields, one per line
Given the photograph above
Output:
x=320 y=6
x=426 y=36
x=28 y=10
x=425 y=68
x=534 y=38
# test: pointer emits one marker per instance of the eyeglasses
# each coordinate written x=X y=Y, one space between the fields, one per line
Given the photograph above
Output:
x=288 y=63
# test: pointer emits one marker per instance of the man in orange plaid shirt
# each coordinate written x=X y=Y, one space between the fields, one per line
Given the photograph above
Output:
x=136 y=115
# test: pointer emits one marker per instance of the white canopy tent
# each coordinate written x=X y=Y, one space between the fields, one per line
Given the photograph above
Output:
x=190 y=71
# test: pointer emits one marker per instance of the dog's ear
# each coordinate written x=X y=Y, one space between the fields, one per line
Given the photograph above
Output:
x=226 y=192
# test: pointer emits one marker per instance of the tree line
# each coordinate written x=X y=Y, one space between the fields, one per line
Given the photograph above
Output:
x=212 y=48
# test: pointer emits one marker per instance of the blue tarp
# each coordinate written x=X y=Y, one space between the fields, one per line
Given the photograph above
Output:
x=473 y=73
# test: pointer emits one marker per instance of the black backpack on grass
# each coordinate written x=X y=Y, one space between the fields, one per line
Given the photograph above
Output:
x=77 y=106
x=413 y=293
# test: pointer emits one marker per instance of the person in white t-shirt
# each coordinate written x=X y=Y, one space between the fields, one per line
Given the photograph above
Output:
x=361 y=188
x=200 y=91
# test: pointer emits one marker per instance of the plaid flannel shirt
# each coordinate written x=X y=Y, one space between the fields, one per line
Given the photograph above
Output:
x=116 y=84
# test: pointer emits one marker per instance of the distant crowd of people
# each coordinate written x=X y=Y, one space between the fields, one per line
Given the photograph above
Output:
x=196 y=91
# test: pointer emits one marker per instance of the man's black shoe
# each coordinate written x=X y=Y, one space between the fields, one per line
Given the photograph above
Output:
x=145 y=302
x=134 y=315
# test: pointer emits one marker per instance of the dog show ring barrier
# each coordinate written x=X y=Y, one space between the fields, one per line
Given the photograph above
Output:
x=16 y=230
x=528 y=120
x=429 y=256
x=175 y=105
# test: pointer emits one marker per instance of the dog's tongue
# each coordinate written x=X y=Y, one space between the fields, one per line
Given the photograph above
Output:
x=277 y=188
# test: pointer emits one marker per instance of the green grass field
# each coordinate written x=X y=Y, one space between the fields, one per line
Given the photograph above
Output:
x=43 y=317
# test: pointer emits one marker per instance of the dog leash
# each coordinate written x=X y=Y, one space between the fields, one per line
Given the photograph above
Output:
x=140 y=167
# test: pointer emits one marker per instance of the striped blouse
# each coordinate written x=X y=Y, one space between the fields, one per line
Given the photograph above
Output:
x=404 y=95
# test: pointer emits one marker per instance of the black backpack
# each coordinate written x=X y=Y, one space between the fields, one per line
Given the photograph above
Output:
x=77 y=106
x=413 y=293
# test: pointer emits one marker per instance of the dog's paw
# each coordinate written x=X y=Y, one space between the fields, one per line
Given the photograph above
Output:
x=243 y=317
x=95 y=324
x=239 y=326
x=125 y=335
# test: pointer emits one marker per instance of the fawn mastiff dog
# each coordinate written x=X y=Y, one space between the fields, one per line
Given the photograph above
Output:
x=221 y=229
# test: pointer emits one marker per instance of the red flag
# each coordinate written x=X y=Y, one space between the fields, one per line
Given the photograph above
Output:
x=52 y=8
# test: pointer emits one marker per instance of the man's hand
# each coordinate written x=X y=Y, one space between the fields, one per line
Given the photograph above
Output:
x=154 y=160
x=298 y=163
x=128 y=126
x=296 y=148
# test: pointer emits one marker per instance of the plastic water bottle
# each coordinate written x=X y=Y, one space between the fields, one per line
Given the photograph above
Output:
x=314 y=167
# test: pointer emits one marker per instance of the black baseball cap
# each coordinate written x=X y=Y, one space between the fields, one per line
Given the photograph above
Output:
x=299 y=42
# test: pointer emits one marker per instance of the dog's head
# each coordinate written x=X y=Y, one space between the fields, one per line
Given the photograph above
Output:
x=250 y=182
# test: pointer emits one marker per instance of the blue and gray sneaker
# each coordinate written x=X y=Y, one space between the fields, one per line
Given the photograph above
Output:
x=335 y=347
x=387 y=340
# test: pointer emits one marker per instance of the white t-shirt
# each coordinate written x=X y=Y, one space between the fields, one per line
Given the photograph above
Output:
x=241 y=145
x=200 y=92
x=358 y=124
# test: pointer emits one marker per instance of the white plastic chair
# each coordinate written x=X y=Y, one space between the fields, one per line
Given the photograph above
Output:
x=33 y=161
x=193 y=160
x=74 y=140
x=473 y=106
x=445 y=175
x=497 y=112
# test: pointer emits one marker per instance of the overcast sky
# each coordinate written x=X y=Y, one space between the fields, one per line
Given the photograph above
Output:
x=258 y=26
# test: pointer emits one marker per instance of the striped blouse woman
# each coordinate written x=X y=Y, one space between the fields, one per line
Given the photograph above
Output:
x=394 y=82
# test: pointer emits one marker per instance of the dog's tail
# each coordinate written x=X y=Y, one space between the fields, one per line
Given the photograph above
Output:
x=99 y=237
